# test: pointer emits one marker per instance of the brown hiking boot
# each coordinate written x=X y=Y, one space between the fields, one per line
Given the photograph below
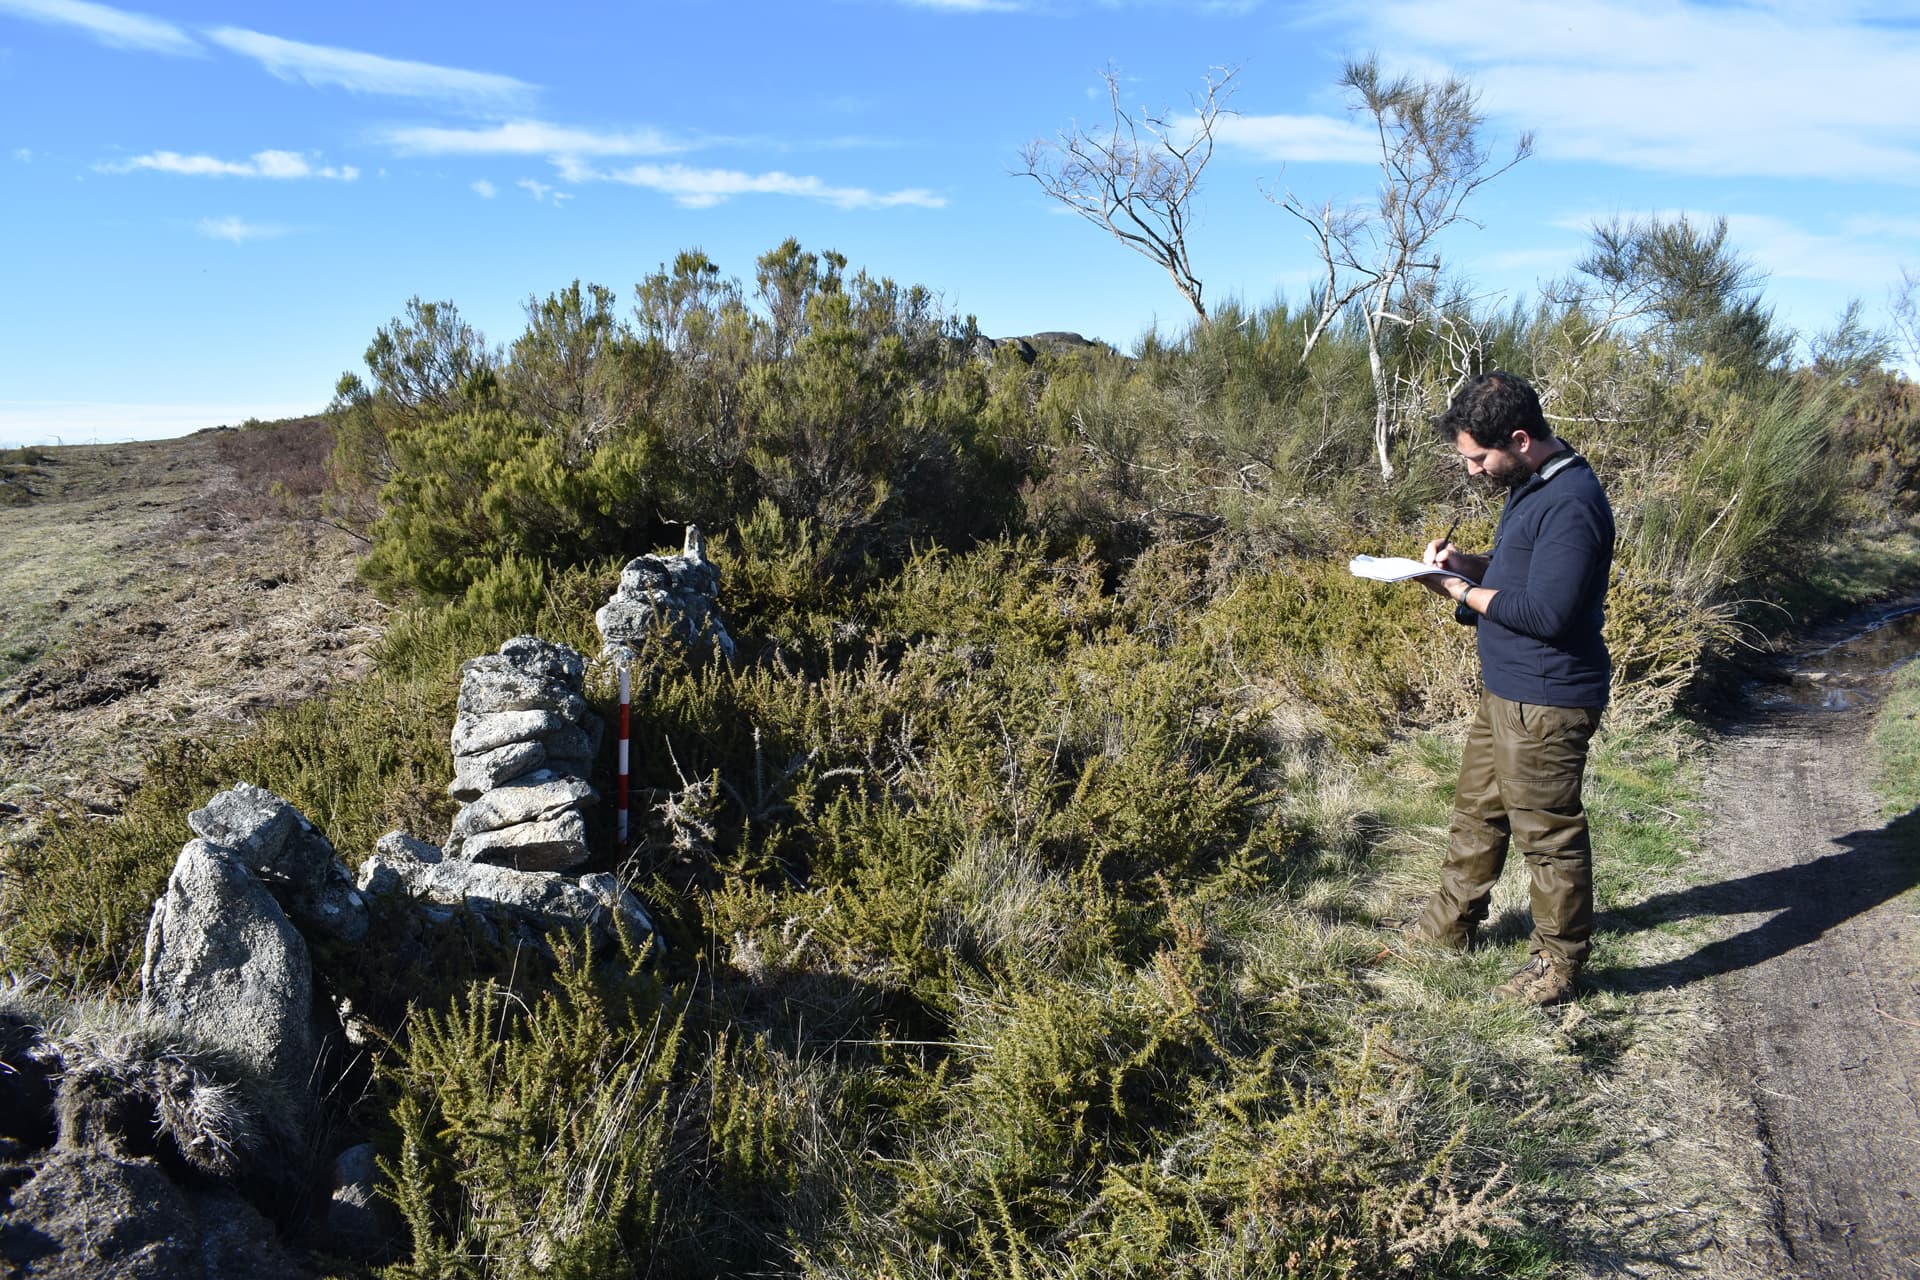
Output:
x=1541 y=981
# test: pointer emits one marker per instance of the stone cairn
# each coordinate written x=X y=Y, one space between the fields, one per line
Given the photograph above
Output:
x=228 y=961
x=523 y=747
x=680 y=593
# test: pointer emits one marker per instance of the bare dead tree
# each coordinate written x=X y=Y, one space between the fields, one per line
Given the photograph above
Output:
x=1905 y=307
x=1138 y=176
x=1386 y=258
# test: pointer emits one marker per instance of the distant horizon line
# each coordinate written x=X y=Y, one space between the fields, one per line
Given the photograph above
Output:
x=44 y=424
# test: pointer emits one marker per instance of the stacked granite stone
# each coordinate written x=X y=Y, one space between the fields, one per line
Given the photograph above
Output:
x=511 y=907
x=523 y=747
x=678 y=593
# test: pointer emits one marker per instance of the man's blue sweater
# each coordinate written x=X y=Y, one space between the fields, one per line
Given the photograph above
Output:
x=1552 y=558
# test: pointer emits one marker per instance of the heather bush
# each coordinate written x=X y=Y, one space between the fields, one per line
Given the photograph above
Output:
x=279 y=468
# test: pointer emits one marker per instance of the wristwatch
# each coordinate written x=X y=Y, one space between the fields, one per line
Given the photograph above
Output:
x=1463 y=613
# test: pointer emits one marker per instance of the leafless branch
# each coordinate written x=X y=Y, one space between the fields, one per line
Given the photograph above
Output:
x=1384 y=259
x=1138 y=176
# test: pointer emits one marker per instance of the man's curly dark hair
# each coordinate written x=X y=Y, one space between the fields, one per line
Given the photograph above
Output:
x=1491 y=408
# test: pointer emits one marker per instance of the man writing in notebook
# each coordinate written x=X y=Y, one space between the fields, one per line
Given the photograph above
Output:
x=1544 y=673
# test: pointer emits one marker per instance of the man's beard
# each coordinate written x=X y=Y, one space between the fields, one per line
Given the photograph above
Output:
x=1515 y=476
x=1508 y=481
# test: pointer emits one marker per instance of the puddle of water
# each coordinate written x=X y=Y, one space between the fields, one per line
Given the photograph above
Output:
x=1855 y=671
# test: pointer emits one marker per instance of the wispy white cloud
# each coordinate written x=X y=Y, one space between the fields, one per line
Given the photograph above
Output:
x=531 y=137
x=23 y=154
x=703 y=188
x=262 y=164
x=1768 y=89
x=485 y=190
x=543 y=193
x=239 y=230
x=1299 y=139
x=324 y=66
x=1876 y=224
x=1786 y=251
x=115 y=27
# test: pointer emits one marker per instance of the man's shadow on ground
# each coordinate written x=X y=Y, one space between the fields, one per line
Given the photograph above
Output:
x=1803 y=902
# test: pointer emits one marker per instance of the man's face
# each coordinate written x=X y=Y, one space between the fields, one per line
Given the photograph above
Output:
x=1503 y=466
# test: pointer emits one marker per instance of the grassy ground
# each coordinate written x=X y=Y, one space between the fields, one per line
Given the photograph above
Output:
x=69 y=539
x=158 y=591
x=1645 y=1162
x=1870 y=563
x=1896 y=743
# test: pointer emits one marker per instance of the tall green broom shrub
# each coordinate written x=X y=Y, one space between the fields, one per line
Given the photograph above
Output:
x=1757 y=481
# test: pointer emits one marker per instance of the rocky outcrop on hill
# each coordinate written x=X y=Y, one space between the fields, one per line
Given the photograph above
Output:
x=678 y=596
x=1032 y=346
x=523 y=747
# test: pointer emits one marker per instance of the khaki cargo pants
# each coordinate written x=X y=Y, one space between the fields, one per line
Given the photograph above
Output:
x=1520 y=777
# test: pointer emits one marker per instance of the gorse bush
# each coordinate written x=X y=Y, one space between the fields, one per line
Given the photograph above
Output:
x=938 y=881
x=1882 y=445
x=531 y=1140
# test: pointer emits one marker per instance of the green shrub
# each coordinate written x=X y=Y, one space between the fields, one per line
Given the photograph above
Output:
x=1881 y=437
x=1371 y=660
x=1659 y=636
x=1759 y=473
x=530 y=1139
x=1194 y=1117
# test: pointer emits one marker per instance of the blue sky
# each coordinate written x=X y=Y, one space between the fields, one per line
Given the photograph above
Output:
x=208 y=208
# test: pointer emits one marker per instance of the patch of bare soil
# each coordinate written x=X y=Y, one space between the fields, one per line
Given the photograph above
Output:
x=164 y=589
x=1808 y=958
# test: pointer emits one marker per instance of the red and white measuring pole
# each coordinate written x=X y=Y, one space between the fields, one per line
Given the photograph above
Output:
x=620 y=794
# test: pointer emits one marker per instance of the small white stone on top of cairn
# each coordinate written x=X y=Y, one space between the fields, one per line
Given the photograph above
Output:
x=680 y=593
x=523 y=747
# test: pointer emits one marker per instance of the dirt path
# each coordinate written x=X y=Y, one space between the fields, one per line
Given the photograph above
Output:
x=163 y=589
x=1814 y=970
x=1821 y=991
